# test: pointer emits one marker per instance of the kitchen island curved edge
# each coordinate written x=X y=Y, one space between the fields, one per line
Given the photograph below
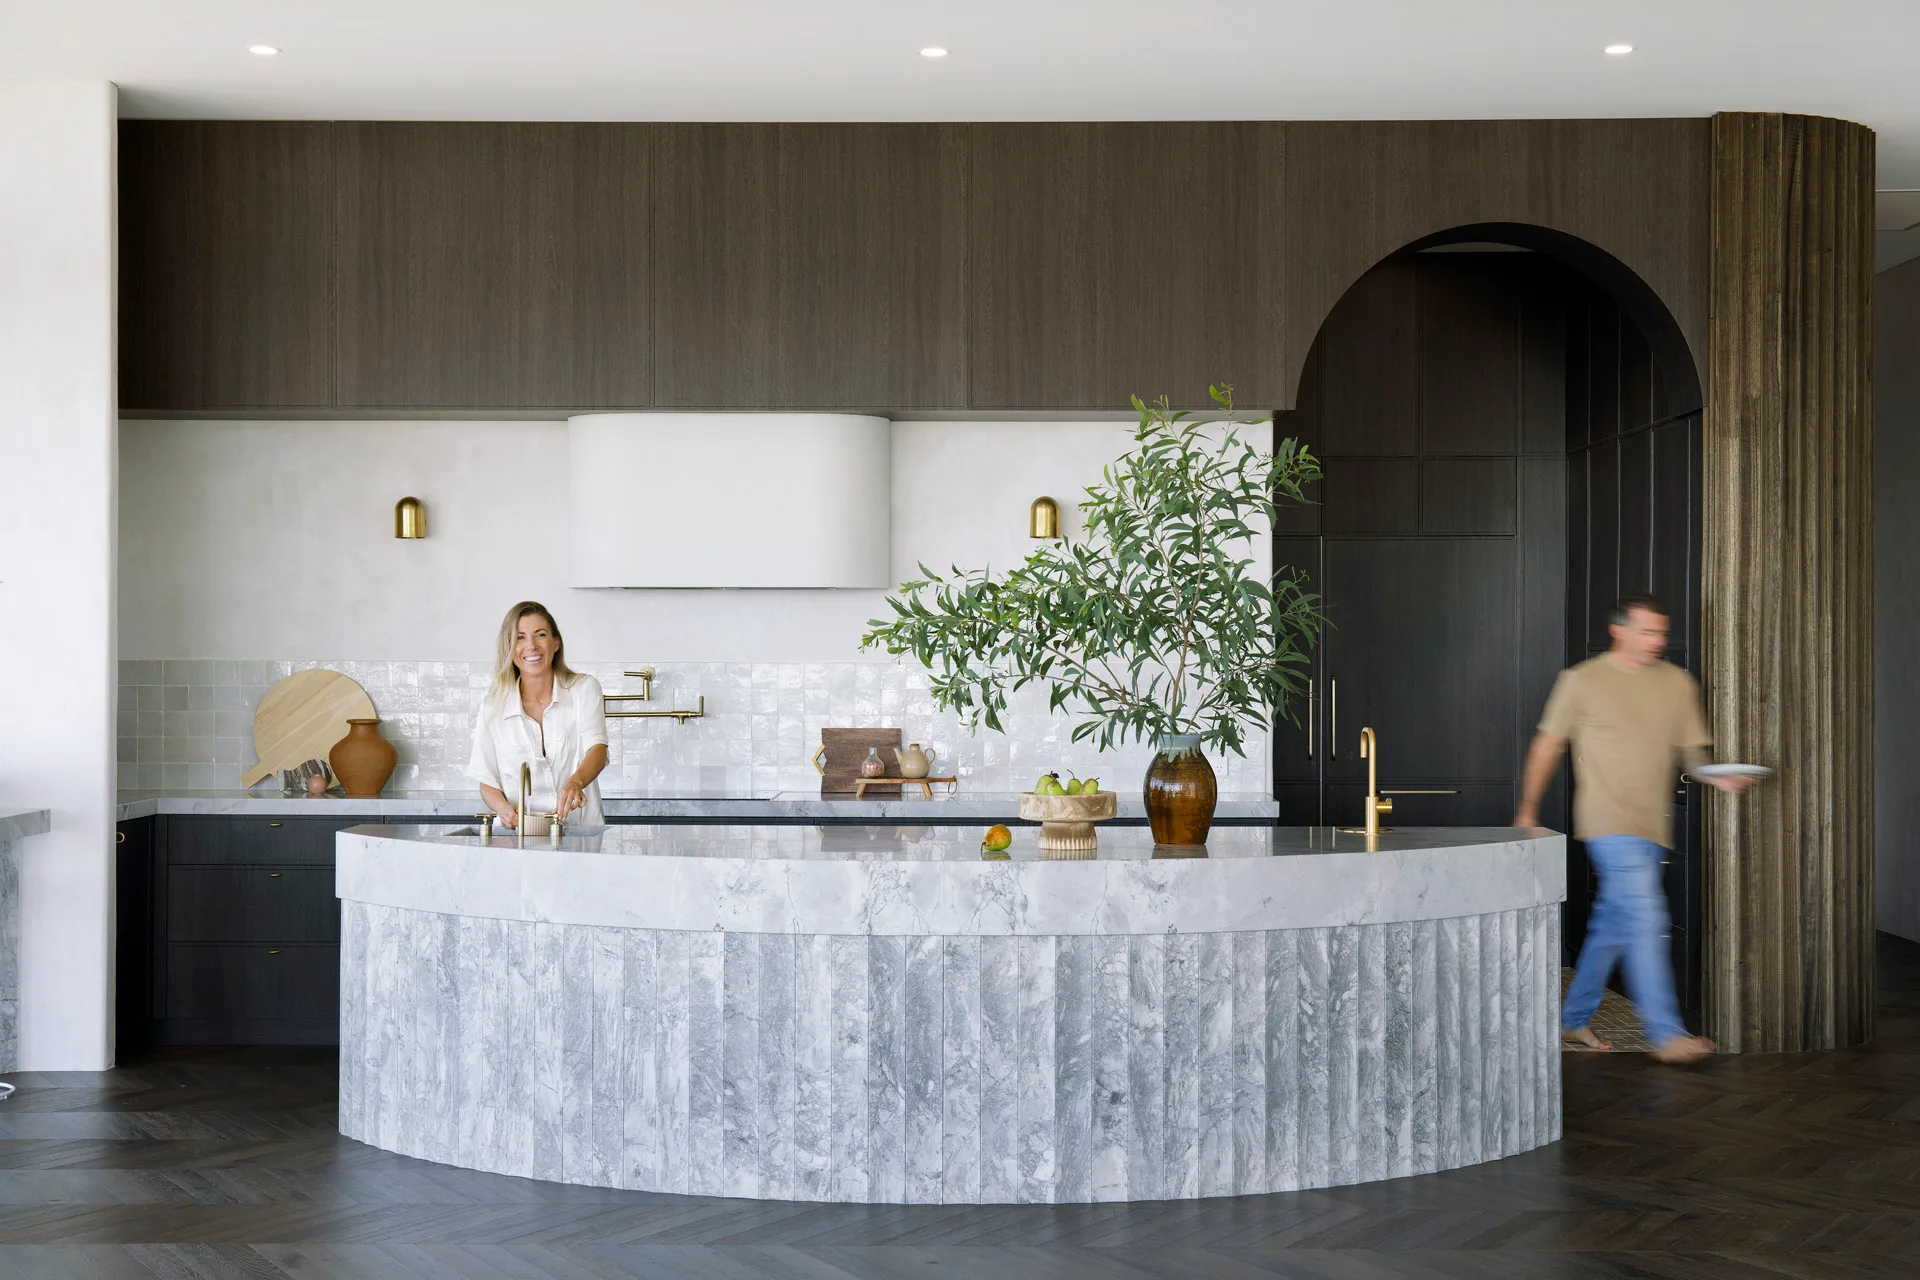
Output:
x=878 y=1015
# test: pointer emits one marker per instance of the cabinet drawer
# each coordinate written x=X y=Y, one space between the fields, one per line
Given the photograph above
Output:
x=218 y=840
x=252 y=904
x=228 y=983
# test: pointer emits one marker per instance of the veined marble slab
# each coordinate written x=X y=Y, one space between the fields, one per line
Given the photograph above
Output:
x=961 y=807
x=906 y=881
x=15 y=825
x=18 y=824
x=270 y=803
x=985 y=806
x=878 y=1015
x=950 y=1069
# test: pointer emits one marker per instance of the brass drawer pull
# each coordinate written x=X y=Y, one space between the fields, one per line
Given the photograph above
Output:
x=273 y=875
x=276 y=824
x=273 y=951
x=119 y=837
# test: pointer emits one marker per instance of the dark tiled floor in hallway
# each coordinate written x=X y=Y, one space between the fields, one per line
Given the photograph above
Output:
x=1617 y=1021
x=226 y=1164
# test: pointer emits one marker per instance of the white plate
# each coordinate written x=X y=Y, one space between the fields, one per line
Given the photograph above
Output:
x=1732 y=771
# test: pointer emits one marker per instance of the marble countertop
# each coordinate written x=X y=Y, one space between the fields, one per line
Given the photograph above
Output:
x=933 y=880
x=18 y=824
x=964 y=806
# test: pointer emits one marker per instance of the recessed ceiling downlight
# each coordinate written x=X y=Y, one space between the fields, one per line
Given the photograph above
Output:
x=1619 y=50
x=262 y=50
x=933 y=51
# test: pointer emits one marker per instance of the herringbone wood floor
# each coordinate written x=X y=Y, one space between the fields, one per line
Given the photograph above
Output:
x=226 y=1164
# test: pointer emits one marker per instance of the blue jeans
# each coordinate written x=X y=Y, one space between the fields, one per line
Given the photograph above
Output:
x=1628 y=925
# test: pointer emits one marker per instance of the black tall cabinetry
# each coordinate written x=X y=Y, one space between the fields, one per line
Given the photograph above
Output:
x=1436 y=398
x=1504 y=458
x=1633 y=495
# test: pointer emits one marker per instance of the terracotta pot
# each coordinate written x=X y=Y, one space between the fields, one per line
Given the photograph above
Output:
x=1180 y=792
x=363 y=760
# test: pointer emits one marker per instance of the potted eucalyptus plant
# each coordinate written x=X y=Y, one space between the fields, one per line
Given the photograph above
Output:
x=1152 y=625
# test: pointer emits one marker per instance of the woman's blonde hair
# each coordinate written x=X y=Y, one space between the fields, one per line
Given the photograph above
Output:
x=505 y=675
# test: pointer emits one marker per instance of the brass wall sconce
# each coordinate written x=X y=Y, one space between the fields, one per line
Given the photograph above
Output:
x=1043 y=519
x=409 y=518
x=645 y=676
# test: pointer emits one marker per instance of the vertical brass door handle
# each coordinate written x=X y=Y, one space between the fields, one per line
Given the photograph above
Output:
x=1312 y=710
x=1333 y=729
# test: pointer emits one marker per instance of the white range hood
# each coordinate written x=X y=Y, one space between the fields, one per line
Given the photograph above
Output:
x=730 y=500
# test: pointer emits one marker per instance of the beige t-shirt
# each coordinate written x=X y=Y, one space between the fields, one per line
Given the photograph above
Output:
x=1627 y=726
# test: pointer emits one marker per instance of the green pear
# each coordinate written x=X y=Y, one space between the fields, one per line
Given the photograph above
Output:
x=1074 y=787
x=1091 y=787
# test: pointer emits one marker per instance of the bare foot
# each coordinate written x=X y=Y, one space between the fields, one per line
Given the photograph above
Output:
x=1682 y=1050
x=1585 y=1036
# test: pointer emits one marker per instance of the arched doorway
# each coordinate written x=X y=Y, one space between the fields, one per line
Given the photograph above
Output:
x=1509 y=424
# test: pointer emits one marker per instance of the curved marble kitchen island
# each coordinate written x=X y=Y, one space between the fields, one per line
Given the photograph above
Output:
x=878 y=1015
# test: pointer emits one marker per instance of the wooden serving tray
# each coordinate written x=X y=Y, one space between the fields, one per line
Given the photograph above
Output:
x=840 y=754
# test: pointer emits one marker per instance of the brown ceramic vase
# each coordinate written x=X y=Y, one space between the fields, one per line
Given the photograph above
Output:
x=363 y=760
x=1180 y=792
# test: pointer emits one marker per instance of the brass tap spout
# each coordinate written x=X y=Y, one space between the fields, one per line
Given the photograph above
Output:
x=526 y=785
x=1377 y=804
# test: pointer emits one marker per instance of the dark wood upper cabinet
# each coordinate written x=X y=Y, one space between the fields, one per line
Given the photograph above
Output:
x=495 y=265
x=226 y=265
x=1111 y=260
x=445 y=267
x=812 y=266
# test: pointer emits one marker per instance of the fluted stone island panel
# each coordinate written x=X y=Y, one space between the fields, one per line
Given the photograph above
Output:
x=1343 y=1021
x=15 y=826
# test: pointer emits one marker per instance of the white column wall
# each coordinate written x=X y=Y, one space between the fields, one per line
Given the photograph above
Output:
x=59 y=451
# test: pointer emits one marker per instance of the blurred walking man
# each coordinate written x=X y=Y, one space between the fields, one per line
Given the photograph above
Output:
x=1632 y=720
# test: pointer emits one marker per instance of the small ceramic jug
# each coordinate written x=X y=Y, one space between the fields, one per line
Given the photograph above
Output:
x=873 y=766
x=915 y=763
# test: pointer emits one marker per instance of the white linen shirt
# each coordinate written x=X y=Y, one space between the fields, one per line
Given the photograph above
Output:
x=505 y=736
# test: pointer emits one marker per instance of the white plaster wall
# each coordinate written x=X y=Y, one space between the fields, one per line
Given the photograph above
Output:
x=274 y=540
x=57 y=545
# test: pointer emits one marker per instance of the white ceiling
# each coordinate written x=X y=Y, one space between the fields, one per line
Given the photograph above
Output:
x=1011 y=59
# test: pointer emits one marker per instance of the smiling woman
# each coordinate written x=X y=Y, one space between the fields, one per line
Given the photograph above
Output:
x=542 y=716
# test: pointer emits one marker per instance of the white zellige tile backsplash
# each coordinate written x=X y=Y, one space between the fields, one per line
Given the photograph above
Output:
x=189 y=725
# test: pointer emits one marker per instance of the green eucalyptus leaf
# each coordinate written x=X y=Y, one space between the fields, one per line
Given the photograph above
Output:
x=1152 y=620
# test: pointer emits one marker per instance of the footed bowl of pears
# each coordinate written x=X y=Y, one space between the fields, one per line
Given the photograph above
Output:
x=1066 y=812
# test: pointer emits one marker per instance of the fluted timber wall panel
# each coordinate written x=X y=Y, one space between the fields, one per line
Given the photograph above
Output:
x=950 y=1069
x=1788 y=582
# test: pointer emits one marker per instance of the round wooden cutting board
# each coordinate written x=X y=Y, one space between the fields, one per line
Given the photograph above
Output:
x=301 y=718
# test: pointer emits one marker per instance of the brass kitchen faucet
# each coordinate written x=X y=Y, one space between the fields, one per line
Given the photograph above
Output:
x=1377 y=804
x=526 y=785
